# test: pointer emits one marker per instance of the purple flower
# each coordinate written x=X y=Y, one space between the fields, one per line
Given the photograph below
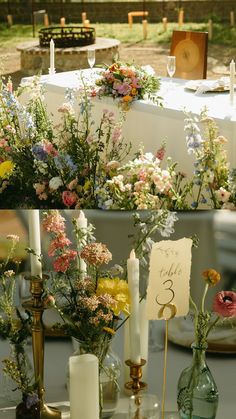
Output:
x=65 y=162
x=31 y=400
x=123 y=89
x=39 y=152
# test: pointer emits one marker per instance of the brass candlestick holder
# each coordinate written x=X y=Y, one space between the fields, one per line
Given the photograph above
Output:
x=36 y=307
x=136 y=385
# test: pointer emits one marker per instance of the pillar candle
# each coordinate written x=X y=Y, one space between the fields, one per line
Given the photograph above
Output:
x=232 y=77
x=82 y=223
x=134 y=329
x=35 y=242
x=84 y=387
x=52 y=57
x=62 y=21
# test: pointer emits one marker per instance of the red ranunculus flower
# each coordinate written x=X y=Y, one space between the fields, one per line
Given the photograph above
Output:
x=224 y=304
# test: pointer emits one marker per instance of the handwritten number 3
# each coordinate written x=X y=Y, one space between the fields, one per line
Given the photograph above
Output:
x=167 y=289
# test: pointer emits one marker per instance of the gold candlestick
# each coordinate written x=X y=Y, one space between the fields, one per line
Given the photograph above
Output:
x=136 y=385
x=36 y=307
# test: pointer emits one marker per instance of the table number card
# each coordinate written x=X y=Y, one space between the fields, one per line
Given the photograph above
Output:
x=169 y=277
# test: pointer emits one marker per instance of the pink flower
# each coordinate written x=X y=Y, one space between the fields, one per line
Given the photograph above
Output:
x=96 y=254
x=50 y=149
x=72 y=185
x=54 y=222
x=222 y=195
x=49 y=301
x=39 y=188
x=224 y=303
x=59 y=242
x=62 y=263
x=160 y=153
x=69 y=198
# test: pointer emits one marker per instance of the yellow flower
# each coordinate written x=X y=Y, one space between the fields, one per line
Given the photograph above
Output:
x=118 y=289
x=6 y=168
x=127 y=98
x=109 y=330
x=87 y=185
x=211 y=276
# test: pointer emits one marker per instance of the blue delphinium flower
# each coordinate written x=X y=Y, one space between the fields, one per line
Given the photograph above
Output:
x=65 y=162
x=39 y=153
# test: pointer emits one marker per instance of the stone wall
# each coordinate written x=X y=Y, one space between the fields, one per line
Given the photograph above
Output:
x=194 y=11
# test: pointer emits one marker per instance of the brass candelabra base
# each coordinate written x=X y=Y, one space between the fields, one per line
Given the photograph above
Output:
x=48 y=412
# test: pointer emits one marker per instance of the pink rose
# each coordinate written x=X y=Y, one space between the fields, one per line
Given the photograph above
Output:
x=50 y=149
x=69 y=198
x=224 y=304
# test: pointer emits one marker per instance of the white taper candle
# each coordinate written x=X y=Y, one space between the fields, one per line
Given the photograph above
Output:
x=133 y=282
x=232 y=77
x=35 y=242
x=82 y=223
x=52 y=57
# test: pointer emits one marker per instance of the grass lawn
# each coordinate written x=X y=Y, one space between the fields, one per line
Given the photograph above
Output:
x=222 y=34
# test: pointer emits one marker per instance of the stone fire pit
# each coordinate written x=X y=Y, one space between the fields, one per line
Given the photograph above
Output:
x=35 y=59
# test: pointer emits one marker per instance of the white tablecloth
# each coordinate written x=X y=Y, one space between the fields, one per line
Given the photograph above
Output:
x=149 y=124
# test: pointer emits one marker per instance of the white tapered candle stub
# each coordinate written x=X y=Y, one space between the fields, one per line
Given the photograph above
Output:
x=134 y=320
x=35 y=242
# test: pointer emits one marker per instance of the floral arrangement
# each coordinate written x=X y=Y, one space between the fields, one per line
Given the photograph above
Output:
x=93 y=301
x=46 y=166
x=224 y=306
x=15 y=327
x=78 y=164
x=213 y=182
x=128 y=82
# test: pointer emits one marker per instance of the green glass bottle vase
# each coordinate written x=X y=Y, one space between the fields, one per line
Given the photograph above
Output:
x=197 y=391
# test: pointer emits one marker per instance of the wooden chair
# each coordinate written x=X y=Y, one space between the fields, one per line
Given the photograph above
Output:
x=190 y=49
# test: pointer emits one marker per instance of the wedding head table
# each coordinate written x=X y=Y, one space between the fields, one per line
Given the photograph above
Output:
x=147 y=123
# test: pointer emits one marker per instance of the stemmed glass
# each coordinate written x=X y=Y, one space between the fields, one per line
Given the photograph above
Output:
x=171 y=66
x=91 y=57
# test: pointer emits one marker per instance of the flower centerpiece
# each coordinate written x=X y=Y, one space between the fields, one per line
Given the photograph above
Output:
x=15 y=327
x=197 y=390
x=127 y=83
x=213 y=182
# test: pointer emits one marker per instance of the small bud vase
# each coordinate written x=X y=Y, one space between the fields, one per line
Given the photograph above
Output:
x=27 y=410
x=197 y=391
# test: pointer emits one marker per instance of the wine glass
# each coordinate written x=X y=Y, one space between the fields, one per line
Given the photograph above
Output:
x=91 y=57
x=171 y=66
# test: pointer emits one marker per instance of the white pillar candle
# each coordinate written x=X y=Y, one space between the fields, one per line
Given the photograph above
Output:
x=232 y=77
x=84 y=387
x=82 y=223
x=52 y=57
x=35 y=242
x=133 y=282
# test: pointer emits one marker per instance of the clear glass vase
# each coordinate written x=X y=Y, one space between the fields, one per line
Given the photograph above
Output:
x=197 y=391
x=109 y=373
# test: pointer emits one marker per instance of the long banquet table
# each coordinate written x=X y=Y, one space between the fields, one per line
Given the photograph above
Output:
x=149 y=124
x=57 y=352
